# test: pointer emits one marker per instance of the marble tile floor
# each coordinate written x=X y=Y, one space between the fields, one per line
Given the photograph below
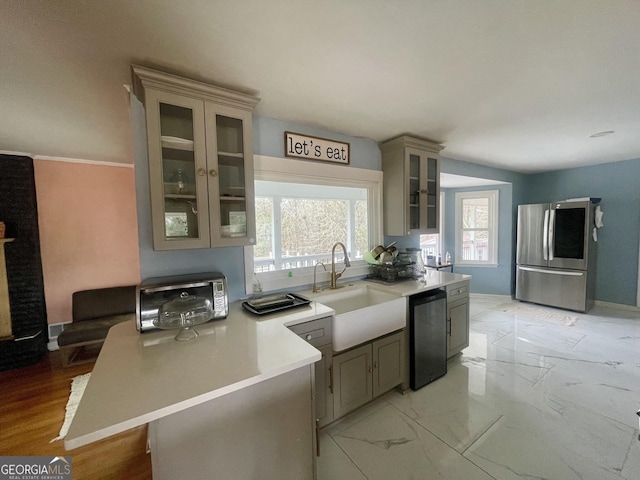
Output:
x=528 y=399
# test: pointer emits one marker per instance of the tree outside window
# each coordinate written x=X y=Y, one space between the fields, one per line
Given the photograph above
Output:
x=296 y=229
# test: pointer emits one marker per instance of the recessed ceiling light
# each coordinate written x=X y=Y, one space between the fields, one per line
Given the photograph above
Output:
x=601 y=134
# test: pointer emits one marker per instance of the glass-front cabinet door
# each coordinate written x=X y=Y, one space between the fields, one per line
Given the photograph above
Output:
x=415 y=191
x=423 y=198
x=230 y=167
x=177 y=171
x=432 y=197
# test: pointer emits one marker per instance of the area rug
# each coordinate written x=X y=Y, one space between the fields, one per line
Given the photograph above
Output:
x=78 y=384
x=539 y=313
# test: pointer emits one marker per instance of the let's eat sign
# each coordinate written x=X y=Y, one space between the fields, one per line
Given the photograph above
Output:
x=314 y=148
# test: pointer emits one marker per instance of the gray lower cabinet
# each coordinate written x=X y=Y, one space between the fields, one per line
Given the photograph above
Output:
x=318 y=333
x=457 y=317
x=366 y=372
x=388 y=355
x=352 y=379
x=324 y=388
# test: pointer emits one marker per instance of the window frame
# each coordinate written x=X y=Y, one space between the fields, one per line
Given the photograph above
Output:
x=301 y=171
x=493 y=197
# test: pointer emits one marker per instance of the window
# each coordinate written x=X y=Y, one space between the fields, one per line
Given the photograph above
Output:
x=477 y=228
x=298 y=224
x=302 y=210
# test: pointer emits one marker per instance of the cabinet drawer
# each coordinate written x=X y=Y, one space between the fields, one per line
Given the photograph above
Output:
x=316 y=332
x=457 y=291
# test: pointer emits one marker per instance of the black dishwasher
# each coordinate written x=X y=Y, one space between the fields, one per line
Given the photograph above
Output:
x=428 y=337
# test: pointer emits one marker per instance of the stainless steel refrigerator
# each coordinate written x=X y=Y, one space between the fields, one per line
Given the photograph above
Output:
x=556 y=254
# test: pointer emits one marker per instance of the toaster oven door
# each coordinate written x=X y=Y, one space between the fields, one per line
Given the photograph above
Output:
x=150 y=301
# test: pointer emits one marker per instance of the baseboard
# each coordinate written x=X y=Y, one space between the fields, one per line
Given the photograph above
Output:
x=618 y=306
x=600 y=303
x=491 y=296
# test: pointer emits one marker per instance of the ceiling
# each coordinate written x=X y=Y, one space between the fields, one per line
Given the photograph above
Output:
x=449 y=180
x=514 y=84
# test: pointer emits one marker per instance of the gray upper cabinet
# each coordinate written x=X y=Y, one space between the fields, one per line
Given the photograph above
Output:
x=411 y=168
x=199 y=140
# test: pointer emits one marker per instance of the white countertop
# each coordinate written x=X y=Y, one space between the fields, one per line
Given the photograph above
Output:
x=430 y=280
x=139 y=378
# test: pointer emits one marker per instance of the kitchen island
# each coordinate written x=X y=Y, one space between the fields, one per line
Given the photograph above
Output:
x=236 y=402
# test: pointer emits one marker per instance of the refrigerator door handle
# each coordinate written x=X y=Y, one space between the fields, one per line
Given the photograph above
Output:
x=552 y=272
x=552 y=222
x=545 y=237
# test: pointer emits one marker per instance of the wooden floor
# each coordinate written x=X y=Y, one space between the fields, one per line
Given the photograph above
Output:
x=32 y=408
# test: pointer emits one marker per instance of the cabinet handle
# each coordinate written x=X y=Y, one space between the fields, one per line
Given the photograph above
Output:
x=449 y=326
x=213 y=172
x=370 y=369
x=202 y=172
x=423 y=191
x=317 y=438
x=375 y=364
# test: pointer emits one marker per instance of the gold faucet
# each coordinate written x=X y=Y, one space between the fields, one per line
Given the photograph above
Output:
x=315 y=288
x=334 y=275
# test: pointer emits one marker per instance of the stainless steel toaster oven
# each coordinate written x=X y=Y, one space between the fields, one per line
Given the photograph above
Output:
x=155 y=292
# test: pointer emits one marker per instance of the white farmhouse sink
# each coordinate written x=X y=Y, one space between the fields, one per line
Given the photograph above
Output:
x=362 y=314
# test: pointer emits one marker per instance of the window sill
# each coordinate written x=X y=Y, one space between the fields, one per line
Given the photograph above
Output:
x=279 y=281
x=487 y=265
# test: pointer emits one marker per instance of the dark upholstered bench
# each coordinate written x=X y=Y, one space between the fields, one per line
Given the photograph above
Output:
x=94 y=313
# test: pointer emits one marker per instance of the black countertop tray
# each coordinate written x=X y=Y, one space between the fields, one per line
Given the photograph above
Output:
x=275 y=303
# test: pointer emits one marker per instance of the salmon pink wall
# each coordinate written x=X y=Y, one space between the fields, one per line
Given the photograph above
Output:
x=88 y=229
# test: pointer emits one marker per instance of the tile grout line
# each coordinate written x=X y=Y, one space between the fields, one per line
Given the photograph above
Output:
x=343 y=450
x=461 y=453
x=486 y=431
x=347 y=455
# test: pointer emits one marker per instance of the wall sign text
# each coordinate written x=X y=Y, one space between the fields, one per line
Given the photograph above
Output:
x=314 y=148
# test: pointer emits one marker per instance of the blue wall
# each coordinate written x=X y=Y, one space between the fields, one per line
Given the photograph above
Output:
x=618 y=184
x=268 y=139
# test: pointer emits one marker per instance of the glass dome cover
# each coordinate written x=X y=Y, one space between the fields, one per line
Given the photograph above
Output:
x=184 y=313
